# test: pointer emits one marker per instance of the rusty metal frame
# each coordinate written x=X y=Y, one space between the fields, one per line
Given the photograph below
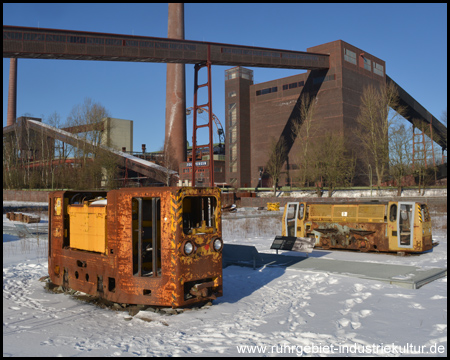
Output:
x=207 y=107
x=423 y=134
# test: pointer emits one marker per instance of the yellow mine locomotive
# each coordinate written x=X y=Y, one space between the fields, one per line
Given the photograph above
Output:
x=387 y=226
x=151 y=246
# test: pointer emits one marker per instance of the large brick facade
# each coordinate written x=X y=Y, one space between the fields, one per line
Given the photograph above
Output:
x=274 y=107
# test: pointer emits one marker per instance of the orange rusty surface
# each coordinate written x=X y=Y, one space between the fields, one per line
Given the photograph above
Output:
x=92 y=273
x=371 y=237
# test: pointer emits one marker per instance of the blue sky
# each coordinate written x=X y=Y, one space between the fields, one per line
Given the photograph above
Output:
x=411 y=38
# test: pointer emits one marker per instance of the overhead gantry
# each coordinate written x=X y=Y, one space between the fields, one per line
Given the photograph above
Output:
x=39 y=43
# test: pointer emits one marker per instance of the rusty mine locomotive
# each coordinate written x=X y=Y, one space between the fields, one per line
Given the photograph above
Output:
x=149 y=246
x=385 y=226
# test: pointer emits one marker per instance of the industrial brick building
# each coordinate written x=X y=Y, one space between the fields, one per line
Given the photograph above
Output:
x=258 y=113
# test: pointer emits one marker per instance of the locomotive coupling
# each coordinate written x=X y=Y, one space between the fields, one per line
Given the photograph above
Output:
x=202 y=290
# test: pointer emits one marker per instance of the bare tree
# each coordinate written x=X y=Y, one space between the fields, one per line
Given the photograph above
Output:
x=110 y=169
x=168 y=161
x=9 y=161
x=373 y=124
x=88 y=116
x=304 y=131
x=332 y=165
x=423 y=164
x=61 y=152
x=400 y=155
x=16 y=152
x=277 y=157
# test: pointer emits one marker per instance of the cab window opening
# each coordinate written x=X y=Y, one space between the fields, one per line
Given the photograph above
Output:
x=393 y=212
x=425 y=213
x=301 y=212
x=199 y=215
x=146 y=227
x=291 y=219
x=405 y=224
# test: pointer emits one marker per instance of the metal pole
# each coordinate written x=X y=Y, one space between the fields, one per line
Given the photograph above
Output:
x=194 y=133
x=155 y=232
x=139 y=200
x=211 y=145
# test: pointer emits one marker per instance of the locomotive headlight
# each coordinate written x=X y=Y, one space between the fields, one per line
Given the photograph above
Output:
x=217 y=244
x=188 y=248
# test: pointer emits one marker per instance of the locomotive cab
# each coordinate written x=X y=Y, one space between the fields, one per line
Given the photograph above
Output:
x=409 y=227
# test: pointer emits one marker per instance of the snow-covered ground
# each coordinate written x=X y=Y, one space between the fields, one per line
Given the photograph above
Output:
x=266 y=312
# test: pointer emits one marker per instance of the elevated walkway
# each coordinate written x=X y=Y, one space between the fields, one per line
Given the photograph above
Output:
x=410 y=277
x=82 y=45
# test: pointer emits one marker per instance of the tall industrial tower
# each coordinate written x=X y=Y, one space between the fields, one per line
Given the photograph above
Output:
x=175 y=142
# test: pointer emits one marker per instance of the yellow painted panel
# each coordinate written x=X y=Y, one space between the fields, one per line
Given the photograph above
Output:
x=88 y=227
x=320 y=212
x=344 y=212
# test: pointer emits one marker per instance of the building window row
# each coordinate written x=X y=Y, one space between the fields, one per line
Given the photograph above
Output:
x=197 y=170
x=321 y=79
x=284 y=55
x=367 y=64
x=113 y=42
x=299 y=56
x=293 y=85
x=239 y=71
x=236 y=51
x=75 y=39
x=378 y=69
x=232 y=114
x=267 y=91
x=350 y=56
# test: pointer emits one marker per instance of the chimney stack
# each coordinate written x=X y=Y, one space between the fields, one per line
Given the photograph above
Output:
x=175 y=141
x=12 y=93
